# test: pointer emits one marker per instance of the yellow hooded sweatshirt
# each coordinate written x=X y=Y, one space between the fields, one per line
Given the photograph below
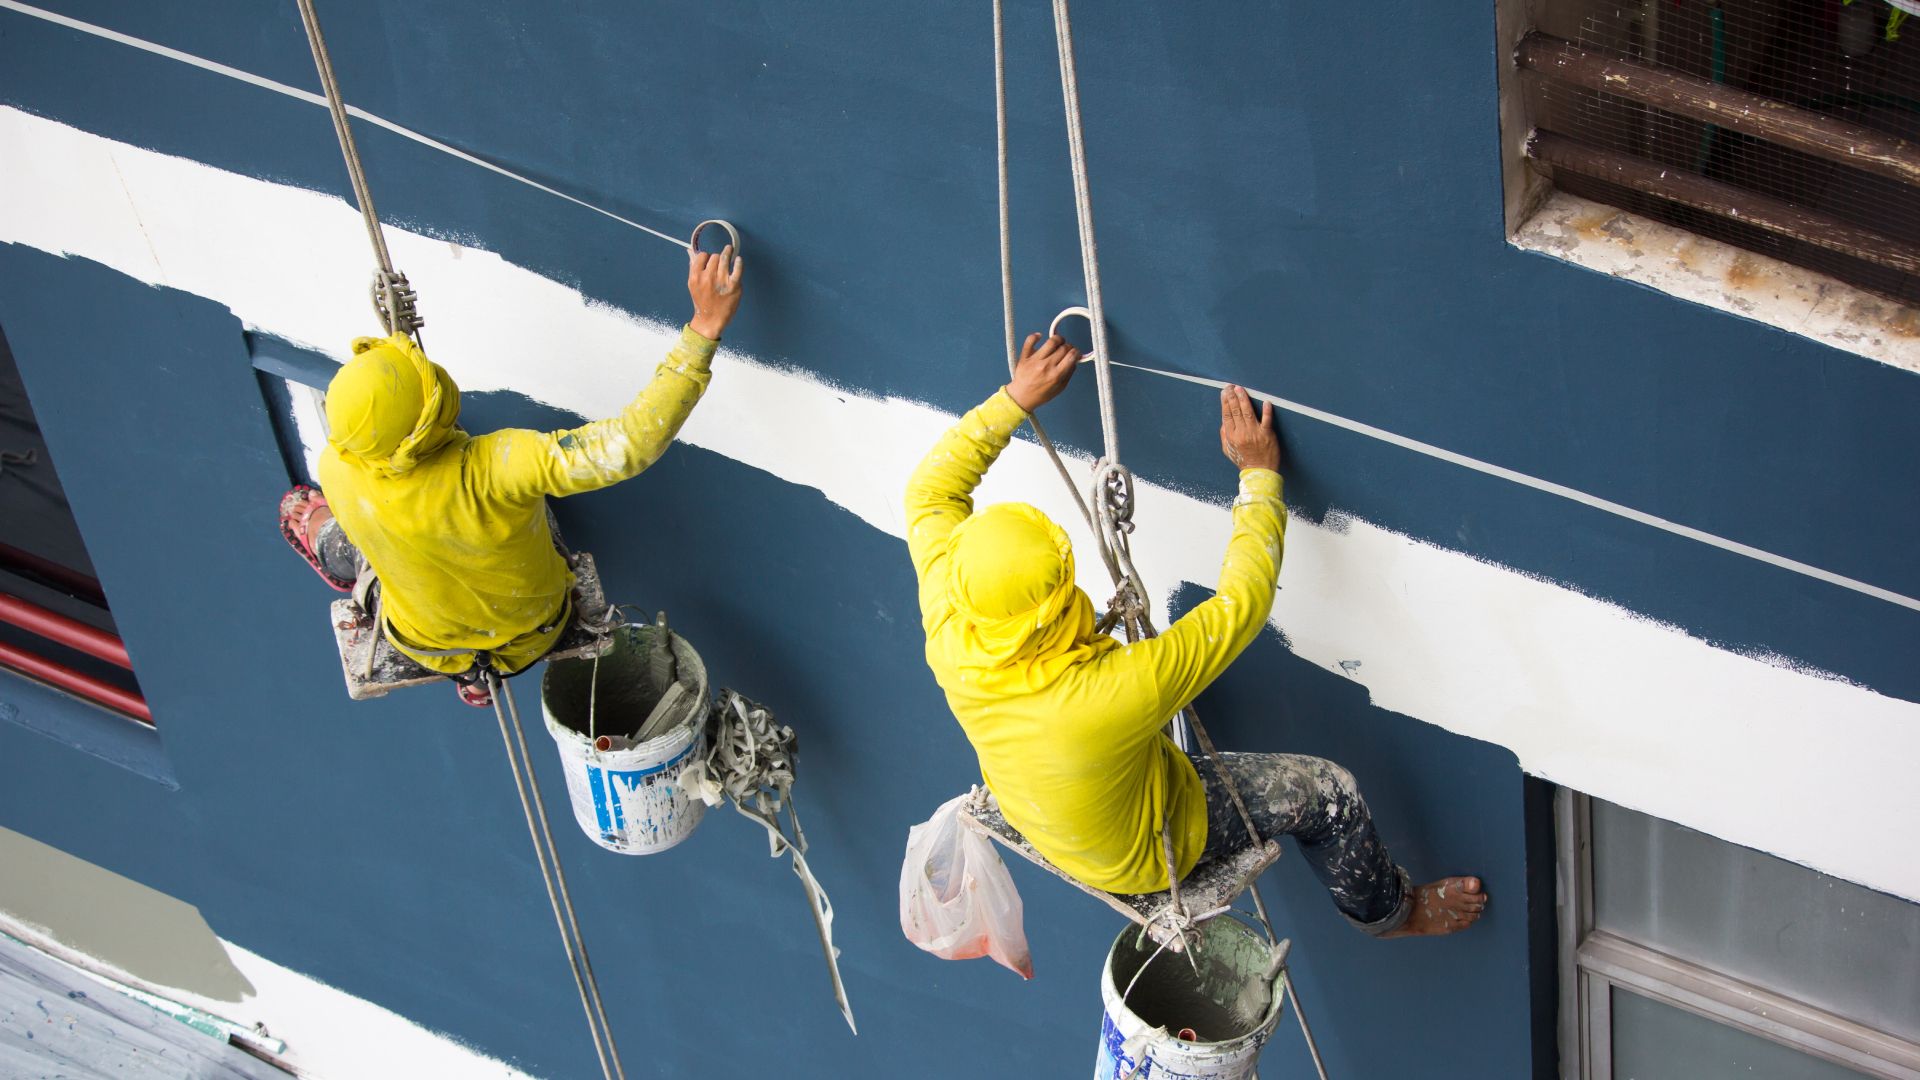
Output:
x=456 y=526
x=1066 y=722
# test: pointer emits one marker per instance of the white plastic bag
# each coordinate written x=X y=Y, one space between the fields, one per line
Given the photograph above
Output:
x=956 y=899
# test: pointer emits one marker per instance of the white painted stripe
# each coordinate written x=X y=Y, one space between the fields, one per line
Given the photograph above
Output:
x=312 y=98
x=1415 y=445
x=1551 y=488
x=1584 y=693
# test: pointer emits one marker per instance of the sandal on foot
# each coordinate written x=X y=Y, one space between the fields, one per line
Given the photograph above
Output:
x=296 y=508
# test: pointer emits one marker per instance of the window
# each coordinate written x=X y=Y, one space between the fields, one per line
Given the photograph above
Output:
x=55 y=627
x=1787 y=129
x=1684 y=957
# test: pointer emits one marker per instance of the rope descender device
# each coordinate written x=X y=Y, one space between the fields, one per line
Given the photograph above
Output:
x=395 y=303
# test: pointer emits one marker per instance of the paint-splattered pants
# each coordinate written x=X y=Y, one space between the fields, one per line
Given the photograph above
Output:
x=1318 y=804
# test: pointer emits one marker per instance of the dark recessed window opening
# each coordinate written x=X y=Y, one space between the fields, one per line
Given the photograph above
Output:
x=55 y=625
x=1786 y=127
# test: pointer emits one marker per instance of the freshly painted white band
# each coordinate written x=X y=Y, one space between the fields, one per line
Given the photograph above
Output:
x=1582 y=692
x=1415 y=445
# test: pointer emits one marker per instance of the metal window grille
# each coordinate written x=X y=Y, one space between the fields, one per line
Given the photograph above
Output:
x=1786 y=127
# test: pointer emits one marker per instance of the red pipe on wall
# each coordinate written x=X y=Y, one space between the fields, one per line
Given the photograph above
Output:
x=72 y=633
x=80 y=685
x=50 y=573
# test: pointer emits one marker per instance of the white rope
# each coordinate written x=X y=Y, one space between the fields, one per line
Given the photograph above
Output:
x=393 y=299
x=1006 y=258
x=1083 y=211
x=548 y=859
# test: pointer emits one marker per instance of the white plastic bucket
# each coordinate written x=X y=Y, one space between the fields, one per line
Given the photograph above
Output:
x=628 y=800
x=1232 y=1006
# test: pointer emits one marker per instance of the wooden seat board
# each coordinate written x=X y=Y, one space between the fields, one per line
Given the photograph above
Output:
x=1209 y=887
x=374 y=668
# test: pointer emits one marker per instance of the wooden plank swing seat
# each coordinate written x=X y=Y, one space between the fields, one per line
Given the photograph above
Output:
x=1210 y=888
x=374 y=668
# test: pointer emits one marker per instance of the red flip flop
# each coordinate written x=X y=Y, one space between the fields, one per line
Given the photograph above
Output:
x=296 y=508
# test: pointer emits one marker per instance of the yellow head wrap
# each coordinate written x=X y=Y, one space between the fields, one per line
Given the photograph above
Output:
x=390 y=406
x=1022 y=620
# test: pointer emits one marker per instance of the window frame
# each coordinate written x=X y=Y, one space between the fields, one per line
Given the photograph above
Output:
x=1541 y=218
x=1593 y=962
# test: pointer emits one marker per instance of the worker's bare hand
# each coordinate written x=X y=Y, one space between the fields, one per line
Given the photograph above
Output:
x=714 y=283
x=1248 y=440
x=1043 y=371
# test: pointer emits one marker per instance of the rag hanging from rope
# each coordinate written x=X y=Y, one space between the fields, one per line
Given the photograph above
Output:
x=749 y=762
x=1109 y=512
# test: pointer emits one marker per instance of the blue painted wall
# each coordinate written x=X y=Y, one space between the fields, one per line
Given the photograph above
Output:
x=1301 y=197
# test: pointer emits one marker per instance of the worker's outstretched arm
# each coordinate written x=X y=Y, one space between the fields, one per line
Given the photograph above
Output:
x=1197 y=648
x=940 y=492
x=526 y=464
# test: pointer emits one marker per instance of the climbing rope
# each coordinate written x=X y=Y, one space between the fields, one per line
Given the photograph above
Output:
x=1006 y=256
x=1110 y=511
x=393 y=299
x=749 y=762
x=548 y=858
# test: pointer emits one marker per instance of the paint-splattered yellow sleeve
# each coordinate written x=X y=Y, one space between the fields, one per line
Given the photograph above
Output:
x=1199 y=646
x=519 y=464
x=940 y=493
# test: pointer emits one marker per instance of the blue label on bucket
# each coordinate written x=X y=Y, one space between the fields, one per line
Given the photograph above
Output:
x=607 y=811
x=607 y=785
x=1113 y=1062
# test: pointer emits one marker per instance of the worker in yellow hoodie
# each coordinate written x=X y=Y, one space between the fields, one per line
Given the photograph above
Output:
x=1068 y=722
x=455 y=526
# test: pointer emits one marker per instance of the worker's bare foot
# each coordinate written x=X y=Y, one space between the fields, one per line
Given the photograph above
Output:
x=1447 y=906
x=316 y=519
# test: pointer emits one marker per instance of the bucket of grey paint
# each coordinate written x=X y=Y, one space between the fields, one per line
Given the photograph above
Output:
x=628 y=797
x=1231 y=1005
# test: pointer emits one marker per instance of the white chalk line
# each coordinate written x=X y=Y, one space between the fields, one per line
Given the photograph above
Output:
x=1551 y=488
x=1572 y=494
x=312 y=98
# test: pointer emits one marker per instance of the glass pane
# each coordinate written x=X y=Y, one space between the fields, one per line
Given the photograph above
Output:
x=1655 y=1041
x=1830 y=943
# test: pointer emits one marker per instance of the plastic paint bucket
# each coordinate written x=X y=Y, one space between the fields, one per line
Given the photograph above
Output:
x=1232 y=1005
x=629 y=800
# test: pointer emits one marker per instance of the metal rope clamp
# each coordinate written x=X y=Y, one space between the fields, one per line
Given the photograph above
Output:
x=1113 y=504
x=395 y=302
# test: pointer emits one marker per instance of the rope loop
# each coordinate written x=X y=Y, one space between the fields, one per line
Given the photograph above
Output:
x=1074 y=312
x=733 y=235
